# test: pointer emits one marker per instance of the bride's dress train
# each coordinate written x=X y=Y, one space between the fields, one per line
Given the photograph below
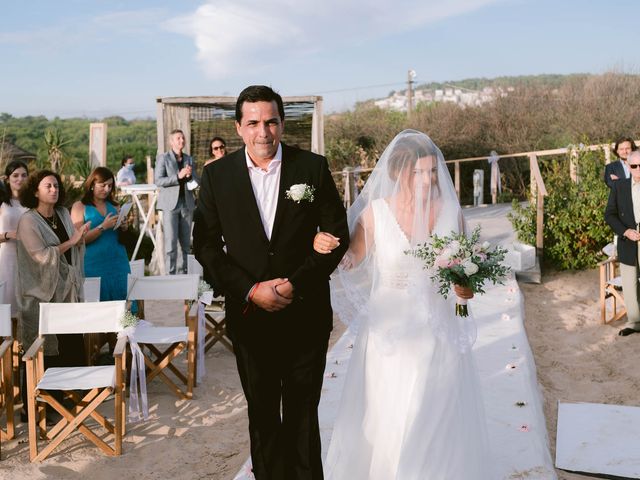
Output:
x=411 y=406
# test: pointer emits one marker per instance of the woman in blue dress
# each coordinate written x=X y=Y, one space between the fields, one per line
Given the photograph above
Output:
x=105 y=256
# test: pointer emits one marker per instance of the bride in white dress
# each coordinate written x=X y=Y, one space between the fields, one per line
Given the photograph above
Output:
x=411 y=406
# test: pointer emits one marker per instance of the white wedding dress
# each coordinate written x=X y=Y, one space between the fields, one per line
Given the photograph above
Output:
x=411 y=406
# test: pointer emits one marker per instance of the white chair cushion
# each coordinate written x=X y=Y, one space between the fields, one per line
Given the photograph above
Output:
x=78 y=378
x=160 y=334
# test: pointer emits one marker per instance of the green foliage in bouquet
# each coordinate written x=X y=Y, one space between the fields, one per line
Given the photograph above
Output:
x=574 y=226
x=461 y=260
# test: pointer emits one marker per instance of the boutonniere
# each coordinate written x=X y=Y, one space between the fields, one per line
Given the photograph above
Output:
x=299 y=192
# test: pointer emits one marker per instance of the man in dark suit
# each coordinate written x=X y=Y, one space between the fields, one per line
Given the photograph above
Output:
x=259 y=209
x=623 y=214
x=619 y=170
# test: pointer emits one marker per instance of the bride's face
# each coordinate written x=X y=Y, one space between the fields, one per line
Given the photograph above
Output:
x=425 y=172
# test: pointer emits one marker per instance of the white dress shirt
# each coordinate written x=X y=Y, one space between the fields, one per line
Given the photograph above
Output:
x=625 y=167
x=635 y=198
x=266 y=185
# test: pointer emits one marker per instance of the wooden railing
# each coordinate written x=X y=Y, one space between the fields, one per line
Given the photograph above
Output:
x=349 y=177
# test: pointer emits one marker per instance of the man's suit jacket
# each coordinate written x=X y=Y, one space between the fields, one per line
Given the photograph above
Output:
x=613 y=168
x=619 y=215
x=233 y=246
x=166 y=177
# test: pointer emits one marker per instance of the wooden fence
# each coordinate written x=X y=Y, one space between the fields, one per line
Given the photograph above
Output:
x=351 y=178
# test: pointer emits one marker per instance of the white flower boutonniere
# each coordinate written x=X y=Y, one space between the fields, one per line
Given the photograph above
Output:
x=299 y=192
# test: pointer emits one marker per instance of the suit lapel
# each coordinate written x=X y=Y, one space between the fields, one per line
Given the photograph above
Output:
x=287 y=176
x=245 y=191
x=628 y=198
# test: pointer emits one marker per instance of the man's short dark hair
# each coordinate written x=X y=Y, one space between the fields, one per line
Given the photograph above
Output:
x=258 y=93
x=622 y=140
x=28 y=192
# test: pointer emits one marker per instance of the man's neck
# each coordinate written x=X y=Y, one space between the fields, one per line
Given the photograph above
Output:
x=178 y=154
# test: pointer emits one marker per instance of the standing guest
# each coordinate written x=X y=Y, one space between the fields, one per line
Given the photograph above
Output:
x=105 y=256
x=260 y=210
x=126 y=175
x=617 y=170
x=10 y=212
x=623 y=214
x=50 y=257
x=175 y=174
x=217 y=150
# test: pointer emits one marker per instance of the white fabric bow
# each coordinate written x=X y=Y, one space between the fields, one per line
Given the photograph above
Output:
x=138 y=405
x=496 y=185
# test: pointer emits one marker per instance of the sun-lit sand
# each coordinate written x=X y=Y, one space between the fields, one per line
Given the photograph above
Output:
x=577 y=360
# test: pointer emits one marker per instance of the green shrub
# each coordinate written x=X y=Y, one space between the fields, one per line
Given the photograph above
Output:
x=574 y=226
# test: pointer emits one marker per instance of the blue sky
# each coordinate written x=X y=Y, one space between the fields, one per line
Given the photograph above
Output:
x=97 y=58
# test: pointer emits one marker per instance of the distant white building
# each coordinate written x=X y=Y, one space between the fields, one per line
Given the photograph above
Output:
x=399 y=101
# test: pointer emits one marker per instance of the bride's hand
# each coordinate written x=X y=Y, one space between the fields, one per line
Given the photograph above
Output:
x=325 y=242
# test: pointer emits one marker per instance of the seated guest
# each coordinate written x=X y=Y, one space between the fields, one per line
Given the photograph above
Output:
x=126 y=175
x=50 y=253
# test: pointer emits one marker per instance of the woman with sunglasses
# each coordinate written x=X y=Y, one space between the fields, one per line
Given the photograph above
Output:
x=217 y=150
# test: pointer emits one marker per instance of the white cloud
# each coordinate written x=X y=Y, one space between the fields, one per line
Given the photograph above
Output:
x=232 y=36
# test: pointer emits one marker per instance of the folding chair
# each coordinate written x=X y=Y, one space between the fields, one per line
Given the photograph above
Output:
x=611 y=300
x=214 y=314
x=101 y=382
x=6 y=373
x=178 y=338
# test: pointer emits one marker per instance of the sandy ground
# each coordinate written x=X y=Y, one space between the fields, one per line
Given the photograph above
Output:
x=577 y=360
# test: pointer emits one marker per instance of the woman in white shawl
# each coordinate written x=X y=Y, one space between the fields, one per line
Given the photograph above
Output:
x=50 y=253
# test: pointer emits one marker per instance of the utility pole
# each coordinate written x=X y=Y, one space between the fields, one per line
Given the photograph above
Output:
x=410 y=76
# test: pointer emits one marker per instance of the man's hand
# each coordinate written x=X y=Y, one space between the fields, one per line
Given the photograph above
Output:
x=266 y=297
x=284 y=289
x=632 y=235
x=613 y=177
x=184 y=172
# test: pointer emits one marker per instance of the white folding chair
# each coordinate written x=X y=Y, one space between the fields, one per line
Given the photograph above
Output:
x=100 y=382
x=6 y=373
x=214 y=314
x=137 y=267
x=178 y=338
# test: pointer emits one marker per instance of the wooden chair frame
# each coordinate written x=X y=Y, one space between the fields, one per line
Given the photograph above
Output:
x=158 y=360
x=215 y=324
x=610 y=292
x=7 y=392
x=84 y=407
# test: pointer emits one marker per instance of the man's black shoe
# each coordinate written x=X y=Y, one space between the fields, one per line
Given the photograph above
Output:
x=627 y=331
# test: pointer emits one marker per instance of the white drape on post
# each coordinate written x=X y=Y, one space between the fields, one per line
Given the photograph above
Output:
x=496 y=185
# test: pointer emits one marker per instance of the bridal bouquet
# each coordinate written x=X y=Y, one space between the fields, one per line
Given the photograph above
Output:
x=463 y=262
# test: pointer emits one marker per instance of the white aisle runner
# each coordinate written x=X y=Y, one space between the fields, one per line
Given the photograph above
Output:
x=513 y=402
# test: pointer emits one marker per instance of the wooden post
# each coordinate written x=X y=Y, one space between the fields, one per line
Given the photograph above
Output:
x=607 y=154
x=573 y=165
x=540 y=223
x=533 y=187
x=456 y=178
x=346 y=182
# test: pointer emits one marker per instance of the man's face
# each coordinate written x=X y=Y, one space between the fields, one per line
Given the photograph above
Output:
x=177 y=142
x=624 y=149
x=634 y=166
x=261 y=129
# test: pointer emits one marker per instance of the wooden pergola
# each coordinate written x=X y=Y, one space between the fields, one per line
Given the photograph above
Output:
x=202 y=118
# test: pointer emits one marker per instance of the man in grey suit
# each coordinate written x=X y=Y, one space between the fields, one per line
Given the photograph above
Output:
x=175 y=174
